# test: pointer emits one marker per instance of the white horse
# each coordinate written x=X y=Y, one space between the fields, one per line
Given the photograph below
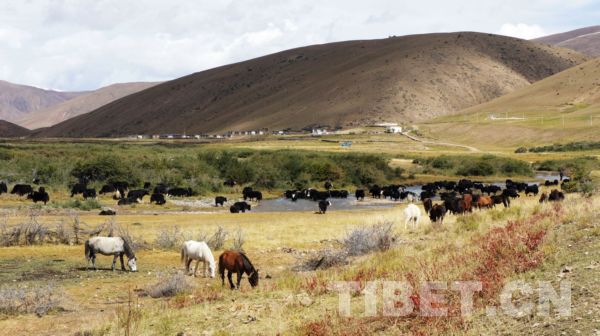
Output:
x=199 y=251
x=412 y=213
x=115 y=246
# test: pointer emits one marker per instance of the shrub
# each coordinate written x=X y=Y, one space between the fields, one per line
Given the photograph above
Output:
x=238 y=241
x=521 y=150
x=169 y=238
x=217 y=240
x=479 y=168
x=37 y=299
x=169 y=286
x=85 y=205
x=365 y=240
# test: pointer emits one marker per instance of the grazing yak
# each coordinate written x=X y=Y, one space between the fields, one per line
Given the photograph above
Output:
x=159 y=199
x=238 y=207
x=328 y=185
x=21 y=189
x=180 y=192
x=121 y=185
x=107 y=212
x=3 y=188
x=147 y=185
x=323 y=205
x=137 y=194
x=107 y=189
x=229 y=183
x=160 y=189
x=39 y=196
x=501 y=199
x=128 y=200
x=220 y=200
x=316 y=195
x=253 y=195
x=532 y=189
x=556 y=196
x=375 y=191
x=437 y=213
x=359 y=194
x=89 y=193
x=78 y=188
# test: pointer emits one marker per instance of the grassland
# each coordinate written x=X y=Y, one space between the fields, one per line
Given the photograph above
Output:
x=287 y=301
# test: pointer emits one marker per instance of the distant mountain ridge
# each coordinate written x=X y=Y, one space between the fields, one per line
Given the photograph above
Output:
x=584 y=40
x=16 y=101
x=399 y=79
x=81 y=104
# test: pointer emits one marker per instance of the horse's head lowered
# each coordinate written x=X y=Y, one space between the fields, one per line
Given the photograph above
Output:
x=253 y=278
x=132 y=263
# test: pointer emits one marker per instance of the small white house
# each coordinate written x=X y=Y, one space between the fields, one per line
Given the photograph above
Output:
x=393 y=129
x=318 y=131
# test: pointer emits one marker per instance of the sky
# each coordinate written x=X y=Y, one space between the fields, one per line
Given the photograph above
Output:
x=75 y=45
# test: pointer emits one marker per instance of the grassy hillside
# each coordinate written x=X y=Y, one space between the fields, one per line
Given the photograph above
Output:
x=561 y=108
x=345 y=84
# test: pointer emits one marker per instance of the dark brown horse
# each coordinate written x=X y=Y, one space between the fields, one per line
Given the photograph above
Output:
x=237 y=262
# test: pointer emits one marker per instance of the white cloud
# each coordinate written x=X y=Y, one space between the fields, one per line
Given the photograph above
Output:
x=83 y=44
x=522 y=30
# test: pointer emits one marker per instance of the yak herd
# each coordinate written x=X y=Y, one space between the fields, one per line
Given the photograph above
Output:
x=439 y=198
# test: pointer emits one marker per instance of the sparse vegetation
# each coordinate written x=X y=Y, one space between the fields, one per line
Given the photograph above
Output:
x=21 y=300
x=379 y=237
x=168 y=286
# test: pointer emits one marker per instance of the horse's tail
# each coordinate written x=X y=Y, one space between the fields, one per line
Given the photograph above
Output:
x=88 y=249
x=183 y=254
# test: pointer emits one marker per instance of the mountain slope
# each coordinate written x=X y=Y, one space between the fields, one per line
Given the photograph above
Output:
x=17 y=100
x=561 y=108
x=338 y=84
x=584 y=40
x=10 y=130
x=80 y=105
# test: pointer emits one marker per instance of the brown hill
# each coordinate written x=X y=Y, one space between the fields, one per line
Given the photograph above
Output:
x=17 y=100
x=338 y=84
x=10 y=130
x=80 y=105
x=584 y=40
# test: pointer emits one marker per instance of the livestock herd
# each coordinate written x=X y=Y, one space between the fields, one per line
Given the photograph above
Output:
x=455 y=197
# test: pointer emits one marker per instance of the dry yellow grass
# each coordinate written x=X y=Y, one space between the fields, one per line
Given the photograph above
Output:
x=279 y=304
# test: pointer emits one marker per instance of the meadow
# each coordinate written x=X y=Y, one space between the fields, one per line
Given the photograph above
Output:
x=529 y=241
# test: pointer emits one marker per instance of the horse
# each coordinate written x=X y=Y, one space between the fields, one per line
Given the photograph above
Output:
x=199 y=251
x=412 y=213
x=116 y=246
x=239 y=263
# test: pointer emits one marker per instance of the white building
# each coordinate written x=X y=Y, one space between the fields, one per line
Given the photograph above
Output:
x=393 y=129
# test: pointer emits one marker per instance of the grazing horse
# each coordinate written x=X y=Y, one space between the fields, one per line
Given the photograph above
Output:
x=199 y=251
x=237 y=262
x=115 y=246
x=412 y=213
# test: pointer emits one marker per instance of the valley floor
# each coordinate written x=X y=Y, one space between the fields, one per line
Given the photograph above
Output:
x=293 y=302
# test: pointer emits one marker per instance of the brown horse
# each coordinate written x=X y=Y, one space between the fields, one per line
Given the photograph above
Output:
x=237 y=262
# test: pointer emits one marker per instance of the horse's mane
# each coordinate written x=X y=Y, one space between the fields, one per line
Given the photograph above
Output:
x=247 y=264
x=128 y=250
